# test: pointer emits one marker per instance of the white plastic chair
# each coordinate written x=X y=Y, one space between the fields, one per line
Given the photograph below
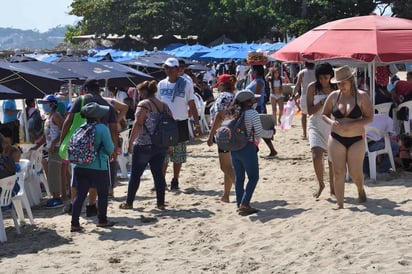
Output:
x=21 y=201
x=373 y=154
x=123 y=159
x=383 y=108
x=407 y=124
x=6 y=186
x=35 y=175
x=201 y=106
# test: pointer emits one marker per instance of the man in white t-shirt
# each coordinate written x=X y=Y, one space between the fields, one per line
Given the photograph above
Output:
x=178 y=94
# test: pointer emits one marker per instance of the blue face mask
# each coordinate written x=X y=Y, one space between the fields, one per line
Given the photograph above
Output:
x=47 y=108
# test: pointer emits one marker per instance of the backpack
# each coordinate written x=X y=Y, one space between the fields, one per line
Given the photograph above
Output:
x=231 y=135
x=165 y=133
x=81 y=145
x=35 y=125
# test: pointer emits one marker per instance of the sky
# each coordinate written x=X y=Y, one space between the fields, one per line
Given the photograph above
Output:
x=40 y=15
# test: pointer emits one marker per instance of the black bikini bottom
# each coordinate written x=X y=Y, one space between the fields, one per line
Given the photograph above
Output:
x=346 y=141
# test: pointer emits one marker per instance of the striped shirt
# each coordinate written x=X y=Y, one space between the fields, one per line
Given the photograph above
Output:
x=252 y=121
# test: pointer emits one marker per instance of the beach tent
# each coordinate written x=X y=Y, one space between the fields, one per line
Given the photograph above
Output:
x=372 y=40
x=187 y=51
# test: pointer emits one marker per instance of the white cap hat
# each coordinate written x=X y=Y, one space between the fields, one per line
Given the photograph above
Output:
x=171 y=62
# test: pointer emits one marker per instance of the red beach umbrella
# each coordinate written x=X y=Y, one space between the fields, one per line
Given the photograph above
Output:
x=372 y=38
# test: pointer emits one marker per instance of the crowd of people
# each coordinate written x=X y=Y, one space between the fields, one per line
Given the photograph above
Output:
x=334 y=103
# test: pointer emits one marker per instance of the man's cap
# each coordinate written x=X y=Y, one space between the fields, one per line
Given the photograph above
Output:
x=171 y=62
x=48 y=99
x=223 y=78
x=94 y=110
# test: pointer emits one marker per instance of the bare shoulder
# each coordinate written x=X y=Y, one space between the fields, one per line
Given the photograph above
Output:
x=363 y=95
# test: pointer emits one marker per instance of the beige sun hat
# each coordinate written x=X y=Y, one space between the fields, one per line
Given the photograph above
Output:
x=342 y=74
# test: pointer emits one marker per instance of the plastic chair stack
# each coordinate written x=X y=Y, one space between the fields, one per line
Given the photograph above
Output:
x=35 y=175
x=200 y=106
x=123 y=158
x=21 y=201
x=6 y=186
x=373 y=154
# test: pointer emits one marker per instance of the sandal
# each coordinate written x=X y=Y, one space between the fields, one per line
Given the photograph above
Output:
x=76 y=228
x=125 y=206
x=107 y=224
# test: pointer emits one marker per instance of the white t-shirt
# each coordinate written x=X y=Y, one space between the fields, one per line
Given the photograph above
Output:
x=180 y=105
x=121 y=95
x=241 y=72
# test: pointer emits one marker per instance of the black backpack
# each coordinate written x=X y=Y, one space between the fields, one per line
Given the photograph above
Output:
x=232 y=135
x=165 y=133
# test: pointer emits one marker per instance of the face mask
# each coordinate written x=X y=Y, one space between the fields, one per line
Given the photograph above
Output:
x=254 y=106
x=47 y=108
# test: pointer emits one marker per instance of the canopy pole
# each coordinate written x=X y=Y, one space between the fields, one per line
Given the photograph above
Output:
x=70 y=91
x=372 y=69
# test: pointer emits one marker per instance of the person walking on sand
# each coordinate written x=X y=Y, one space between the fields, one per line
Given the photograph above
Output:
x=257 y=86
x=94 y=175
x=304 y=78
x=219 y=111
x=352 y=110
x=246 y=160
x=178 y=94
x=318 y=129
x=141 y=147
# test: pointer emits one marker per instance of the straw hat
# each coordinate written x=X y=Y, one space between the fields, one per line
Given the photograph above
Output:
x=342 y=74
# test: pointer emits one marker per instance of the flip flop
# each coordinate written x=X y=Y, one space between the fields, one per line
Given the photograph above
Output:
x=107 y=224
x=247 y=211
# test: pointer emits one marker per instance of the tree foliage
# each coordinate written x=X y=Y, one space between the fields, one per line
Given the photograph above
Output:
x=241 y=20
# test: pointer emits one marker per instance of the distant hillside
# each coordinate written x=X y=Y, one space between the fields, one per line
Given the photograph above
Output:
x=11 y=39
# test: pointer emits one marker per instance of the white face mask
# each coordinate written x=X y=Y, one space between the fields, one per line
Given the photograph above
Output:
x=254 y=105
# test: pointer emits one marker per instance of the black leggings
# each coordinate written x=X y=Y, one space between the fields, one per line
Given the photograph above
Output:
x=346 y=141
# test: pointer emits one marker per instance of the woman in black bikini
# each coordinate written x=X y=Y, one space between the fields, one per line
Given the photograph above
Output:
x=351 y=110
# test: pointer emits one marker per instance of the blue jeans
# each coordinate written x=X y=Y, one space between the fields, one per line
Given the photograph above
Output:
x=245 y=161
x=385 y=165
x=83 y=179
x=143 y=155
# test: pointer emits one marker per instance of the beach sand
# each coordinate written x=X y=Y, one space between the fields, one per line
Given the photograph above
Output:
x=292 y=233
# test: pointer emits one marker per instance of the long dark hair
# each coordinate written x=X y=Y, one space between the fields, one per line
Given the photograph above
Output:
x=324 y=69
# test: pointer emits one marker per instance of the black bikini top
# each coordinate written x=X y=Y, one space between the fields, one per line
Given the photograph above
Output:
x=355 y=113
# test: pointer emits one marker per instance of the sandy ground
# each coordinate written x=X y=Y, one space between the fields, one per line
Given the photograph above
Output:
x=292 y=233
